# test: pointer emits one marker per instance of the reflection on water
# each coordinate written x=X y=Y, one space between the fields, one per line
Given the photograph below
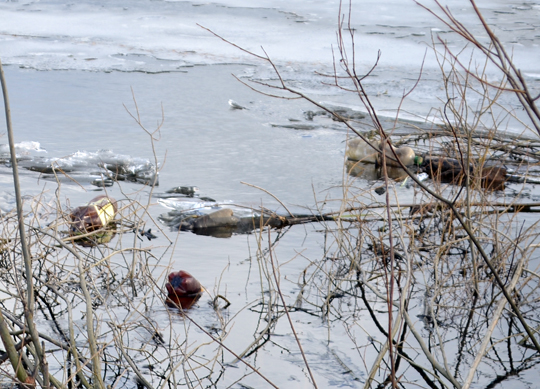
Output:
x=371 y=172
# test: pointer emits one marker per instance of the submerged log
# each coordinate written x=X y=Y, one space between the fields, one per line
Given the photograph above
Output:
x=223 y=223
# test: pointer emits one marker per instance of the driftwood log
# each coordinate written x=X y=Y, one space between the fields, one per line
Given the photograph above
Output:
x=223 y=223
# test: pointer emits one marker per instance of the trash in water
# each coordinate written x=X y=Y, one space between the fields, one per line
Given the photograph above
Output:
x=183 y=290
x=185 y=190
x=235 y=105
x=97 y=216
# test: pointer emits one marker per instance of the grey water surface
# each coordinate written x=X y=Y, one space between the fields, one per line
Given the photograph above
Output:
x=76 y=72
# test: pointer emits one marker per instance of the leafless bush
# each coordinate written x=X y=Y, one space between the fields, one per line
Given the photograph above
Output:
x=449 y=281
x=430 y=293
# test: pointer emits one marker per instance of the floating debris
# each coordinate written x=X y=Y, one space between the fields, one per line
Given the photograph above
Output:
x=82 y=166
x=148 y=234
x=98 y=215
x=451 y=171
x=235 y=105
x=103 y=182
x=183 y=290
x=184 y=190
x=223 y=219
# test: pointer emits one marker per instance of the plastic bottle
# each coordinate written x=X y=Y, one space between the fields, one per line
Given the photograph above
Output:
x=405 y=154
x=183 y=290
x=359 y=150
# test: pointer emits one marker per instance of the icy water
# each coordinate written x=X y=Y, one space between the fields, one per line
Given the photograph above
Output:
x=74 y=69
x=203 y=141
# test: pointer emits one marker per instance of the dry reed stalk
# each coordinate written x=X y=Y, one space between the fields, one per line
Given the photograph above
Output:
x=29 y=307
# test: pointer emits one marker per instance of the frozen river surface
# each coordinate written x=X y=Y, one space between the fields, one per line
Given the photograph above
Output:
x=73 y=69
